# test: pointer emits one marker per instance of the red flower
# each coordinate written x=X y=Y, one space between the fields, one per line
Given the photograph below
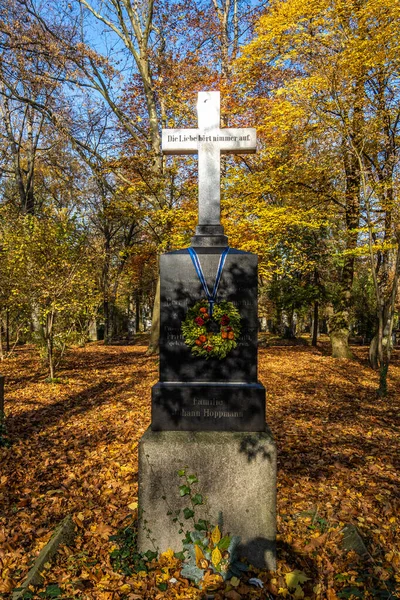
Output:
x=225 y=320
x=199 y=321
x=208 y=348
x=203 y=309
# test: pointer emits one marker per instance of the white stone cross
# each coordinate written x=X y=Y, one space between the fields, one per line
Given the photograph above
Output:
x=208 y=141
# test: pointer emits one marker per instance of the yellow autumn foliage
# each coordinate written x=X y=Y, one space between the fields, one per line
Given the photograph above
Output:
x=215 y=535
x=216 y=557
x=199 y=554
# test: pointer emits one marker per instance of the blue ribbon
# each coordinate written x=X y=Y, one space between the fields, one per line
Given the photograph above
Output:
x=211 y=297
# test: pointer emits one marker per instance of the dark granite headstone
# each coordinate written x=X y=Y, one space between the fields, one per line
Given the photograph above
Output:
x=196 y=393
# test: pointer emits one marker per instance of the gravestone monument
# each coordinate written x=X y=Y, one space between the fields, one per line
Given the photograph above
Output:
x=208 y=408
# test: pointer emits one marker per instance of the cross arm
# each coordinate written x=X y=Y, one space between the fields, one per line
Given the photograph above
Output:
x=237 y=140
x=180 y=141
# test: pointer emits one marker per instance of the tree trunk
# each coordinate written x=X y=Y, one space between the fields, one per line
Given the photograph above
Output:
x=289 y=329
x=1 y=339
x=155 y=323
x=35 y=320
x=109 y=320
x=105 y=284
x=23 y=155
x=373 y=352
x=106 y=321
x=315 y=324
x=8 y=330
x=380 y=349
x=1 y=405
x=277 y=325
x=339 y=323
x=138 y=314
x=50 y=357
x=383 y=372
x=92 y=330
x=49 y=343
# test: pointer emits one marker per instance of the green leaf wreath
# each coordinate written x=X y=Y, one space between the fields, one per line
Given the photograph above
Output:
x=197 y=329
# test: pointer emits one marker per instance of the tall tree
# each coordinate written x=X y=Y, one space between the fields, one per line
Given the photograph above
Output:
x=22 y=125
x=314 y=56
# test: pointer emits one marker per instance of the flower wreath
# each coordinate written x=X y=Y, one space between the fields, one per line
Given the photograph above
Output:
x=212 y=336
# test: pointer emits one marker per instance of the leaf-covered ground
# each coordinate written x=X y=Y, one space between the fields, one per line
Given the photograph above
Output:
x=74 y=450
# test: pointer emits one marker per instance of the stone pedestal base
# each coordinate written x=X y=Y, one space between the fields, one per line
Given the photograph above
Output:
x=237 y=477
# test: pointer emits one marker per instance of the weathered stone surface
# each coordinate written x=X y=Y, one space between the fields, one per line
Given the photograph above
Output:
x=237 y=474
x=352 y=540
x=63 y=534
x=209 y=235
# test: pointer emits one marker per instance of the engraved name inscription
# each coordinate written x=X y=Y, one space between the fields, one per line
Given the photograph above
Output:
x=213 y=409
x=207 y=413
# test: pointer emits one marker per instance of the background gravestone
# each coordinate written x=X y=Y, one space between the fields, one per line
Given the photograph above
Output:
x=209 y=414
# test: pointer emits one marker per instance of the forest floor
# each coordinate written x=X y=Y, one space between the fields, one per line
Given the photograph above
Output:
x=73 y=450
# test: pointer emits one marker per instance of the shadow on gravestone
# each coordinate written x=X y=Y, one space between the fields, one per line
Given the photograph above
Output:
x=257 y=444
